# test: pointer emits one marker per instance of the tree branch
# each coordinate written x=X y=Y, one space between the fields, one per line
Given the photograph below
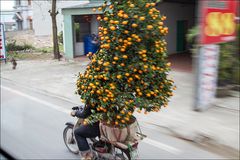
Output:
x=52 y=14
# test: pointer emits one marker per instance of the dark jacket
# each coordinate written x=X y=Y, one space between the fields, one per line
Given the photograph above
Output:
x=85 y=112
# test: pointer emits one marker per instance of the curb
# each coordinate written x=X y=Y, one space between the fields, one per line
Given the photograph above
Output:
x=203 y=141
x=225 y=108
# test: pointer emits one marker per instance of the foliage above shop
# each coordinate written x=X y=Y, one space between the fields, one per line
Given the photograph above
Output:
x=130 y=71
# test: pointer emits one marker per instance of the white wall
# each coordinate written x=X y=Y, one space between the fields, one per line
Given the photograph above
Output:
x=41 y=18
x=174 y=12
x=6 y=5
x=24 y=3
x=42 y=23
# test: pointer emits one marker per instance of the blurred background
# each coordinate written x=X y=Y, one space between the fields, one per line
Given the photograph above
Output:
x=202 y=120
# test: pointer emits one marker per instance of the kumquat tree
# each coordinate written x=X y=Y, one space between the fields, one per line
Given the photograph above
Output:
x=130 y=70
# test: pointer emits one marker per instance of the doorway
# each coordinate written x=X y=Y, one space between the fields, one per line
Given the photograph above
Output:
x=82 y=27
x=181 y=35
x=19 y=25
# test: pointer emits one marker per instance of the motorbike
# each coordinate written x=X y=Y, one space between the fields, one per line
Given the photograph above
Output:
x=101 y=149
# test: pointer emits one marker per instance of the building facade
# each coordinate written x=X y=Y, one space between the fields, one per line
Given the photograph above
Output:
x=80 y=20
x=42 y=23
x=23 y=14
x=8 y=21
x=181 y=16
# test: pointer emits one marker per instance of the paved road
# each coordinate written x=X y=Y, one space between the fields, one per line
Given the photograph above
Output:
x=32 y=125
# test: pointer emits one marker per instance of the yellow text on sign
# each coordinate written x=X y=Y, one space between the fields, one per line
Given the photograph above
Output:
x=218 y=23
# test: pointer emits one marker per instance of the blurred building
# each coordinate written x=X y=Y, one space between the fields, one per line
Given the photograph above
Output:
x=80 y=20
x=42 y=22
x=23 y=14
x=181 y=16
x=8 y=21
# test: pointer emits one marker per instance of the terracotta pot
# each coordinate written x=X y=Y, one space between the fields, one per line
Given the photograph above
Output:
x=116 y=134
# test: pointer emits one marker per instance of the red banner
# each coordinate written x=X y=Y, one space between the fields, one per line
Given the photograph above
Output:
x=218 y=21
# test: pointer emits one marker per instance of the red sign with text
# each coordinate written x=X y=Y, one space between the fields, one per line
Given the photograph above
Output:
x=218 y=21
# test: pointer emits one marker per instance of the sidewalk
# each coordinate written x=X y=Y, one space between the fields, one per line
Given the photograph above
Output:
x=218 y=126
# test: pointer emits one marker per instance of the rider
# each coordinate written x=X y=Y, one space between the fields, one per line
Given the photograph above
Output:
x=85 y=131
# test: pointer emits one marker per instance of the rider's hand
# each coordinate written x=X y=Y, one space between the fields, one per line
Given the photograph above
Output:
x=75 y=108
x=73 y=113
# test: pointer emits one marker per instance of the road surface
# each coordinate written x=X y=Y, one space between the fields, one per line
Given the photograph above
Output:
x=32 y=124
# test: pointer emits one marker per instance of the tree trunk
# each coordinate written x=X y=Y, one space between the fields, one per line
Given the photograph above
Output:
x=53 y=14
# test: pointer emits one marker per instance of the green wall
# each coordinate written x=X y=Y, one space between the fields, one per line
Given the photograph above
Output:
x=68 y=36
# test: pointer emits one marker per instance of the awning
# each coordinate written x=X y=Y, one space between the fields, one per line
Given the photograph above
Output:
x=18 y=17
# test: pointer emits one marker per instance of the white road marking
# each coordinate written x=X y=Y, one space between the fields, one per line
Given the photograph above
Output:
x=149 y=141
x=53 y=106
x=162 y=146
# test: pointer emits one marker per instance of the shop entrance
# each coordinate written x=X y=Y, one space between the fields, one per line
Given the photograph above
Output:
x=81 y=27
x=182 y=26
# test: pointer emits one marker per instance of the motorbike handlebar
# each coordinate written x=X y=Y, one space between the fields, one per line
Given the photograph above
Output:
x=81 y=107
x=75 y=108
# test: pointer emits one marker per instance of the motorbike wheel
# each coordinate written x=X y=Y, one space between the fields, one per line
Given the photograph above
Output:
x=69 y=140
